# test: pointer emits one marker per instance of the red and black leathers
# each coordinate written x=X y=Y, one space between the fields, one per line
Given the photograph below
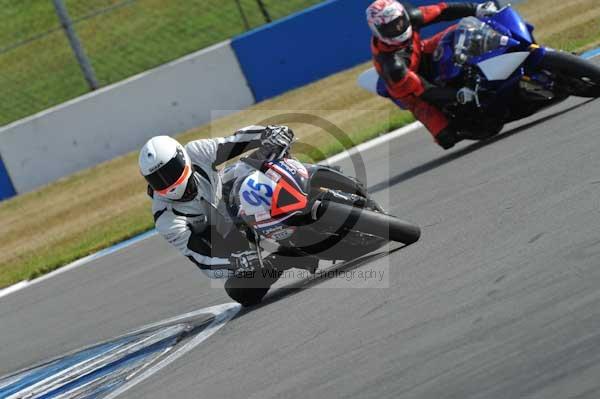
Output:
x=404 y=67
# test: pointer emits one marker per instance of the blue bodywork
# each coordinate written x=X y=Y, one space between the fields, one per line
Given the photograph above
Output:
x=508 y=23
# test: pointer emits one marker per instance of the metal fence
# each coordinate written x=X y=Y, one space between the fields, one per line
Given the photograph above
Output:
x=55 y=50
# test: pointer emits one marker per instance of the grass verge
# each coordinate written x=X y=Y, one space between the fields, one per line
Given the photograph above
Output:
x=80 y=214
x=121 y=38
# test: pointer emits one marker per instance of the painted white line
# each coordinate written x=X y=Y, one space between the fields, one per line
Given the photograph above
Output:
x=374 y=143
x=222 y=313
x=80 y=262
x=13 y=288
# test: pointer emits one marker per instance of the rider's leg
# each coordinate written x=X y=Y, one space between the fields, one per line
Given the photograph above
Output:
x=434 y=120
x=439 y=96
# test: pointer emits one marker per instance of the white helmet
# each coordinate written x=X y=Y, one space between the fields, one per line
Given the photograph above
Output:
x=166 y=166
x=389 y=21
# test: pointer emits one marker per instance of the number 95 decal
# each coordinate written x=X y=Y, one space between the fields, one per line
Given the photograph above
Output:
x=259 y=193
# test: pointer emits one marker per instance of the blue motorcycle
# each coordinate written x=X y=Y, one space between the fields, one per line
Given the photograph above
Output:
x=500 y=74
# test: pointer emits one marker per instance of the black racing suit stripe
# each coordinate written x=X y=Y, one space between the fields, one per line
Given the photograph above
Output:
x=226 y=151
x=211 y=244
x=158 y=214
x=188 y=215
x=457 y=10
x=452 y=12
x=394 y=65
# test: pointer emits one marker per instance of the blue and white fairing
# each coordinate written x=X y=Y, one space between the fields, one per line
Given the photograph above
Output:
x=261 y=202
x=500 y=47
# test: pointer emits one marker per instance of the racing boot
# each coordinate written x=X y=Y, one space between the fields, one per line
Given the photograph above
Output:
x=447 y=138
x=434 y=120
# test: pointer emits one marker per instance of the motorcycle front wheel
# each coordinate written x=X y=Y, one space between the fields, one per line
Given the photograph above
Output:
x=370 y=222
x=574 y=75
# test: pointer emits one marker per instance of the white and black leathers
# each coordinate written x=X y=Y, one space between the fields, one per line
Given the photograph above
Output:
x=201 y=229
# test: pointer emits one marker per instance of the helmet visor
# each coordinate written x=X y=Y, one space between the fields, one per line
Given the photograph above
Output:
x=169 y=174
x=396 y=27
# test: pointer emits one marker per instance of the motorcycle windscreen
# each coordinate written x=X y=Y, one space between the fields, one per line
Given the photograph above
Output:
x=511 y=20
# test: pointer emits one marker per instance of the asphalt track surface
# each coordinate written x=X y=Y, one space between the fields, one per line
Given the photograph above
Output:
x=499 y=299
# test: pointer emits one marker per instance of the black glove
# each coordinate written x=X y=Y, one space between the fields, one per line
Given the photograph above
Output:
x=277 y=138
x=245 y=261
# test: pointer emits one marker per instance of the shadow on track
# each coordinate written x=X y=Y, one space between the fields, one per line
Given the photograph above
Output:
x=436 y=163
x=320 y=277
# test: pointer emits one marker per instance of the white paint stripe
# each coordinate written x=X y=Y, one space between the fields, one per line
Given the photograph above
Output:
x=223 y=313
x=13 y=288
x=413 y=127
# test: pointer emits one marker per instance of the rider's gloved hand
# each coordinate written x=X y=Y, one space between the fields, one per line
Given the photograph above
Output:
x=486 y=9
x=277 y=137
x=244 y=261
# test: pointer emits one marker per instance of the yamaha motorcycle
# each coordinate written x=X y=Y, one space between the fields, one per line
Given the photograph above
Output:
x=501 y=74
x=303 y=213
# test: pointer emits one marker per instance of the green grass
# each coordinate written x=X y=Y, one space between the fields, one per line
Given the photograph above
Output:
x=128 y=39
x=578 y=38
x=92 y=240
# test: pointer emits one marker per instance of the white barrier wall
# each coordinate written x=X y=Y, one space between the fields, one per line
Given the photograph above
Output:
x=120 y=118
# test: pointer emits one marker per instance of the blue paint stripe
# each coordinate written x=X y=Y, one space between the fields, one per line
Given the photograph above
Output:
x=40 y=373
x=132 y=358
x=591 y=53
x=7 y=189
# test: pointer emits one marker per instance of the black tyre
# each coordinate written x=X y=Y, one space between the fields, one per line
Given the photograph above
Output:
x=244 y=296
x=369 y=222
x=574 y=75
x=250 y=288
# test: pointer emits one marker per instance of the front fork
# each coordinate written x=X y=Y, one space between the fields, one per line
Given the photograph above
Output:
x=535 y=82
